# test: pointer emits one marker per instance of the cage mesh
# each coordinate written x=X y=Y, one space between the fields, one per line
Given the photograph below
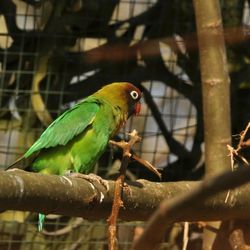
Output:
x=55 y=53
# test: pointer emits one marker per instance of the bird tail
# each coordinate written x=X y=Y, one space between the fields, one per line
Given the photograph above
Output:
x=15 y=162
x=41 y=219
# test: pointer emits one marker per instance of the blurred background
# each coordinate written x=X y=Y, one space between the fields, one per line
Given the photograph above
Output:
x=53 y=53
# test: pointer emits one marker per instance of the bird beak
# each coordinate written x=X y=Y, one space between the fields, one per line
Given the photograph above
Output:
x=137 y=108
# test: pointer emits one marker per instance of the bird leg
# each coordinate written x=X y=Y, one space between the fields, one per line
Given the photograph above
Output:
x=92 y=178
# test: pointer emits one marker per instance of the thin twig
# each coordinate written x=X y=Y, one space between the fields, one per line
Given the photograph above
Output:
x=117 y=202
x=242 y=144
x=185 y=235
x=242 y=136
x=147 y=164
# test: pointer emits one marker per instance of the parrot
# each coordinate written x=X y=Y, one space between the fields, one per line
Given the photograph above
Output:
x=77 y=138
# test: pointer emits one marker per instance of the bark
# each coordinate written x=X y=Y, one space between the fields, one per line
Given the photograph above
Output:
x=192 y=202
x=20 y=190
x=215 y=91
x=215 y=85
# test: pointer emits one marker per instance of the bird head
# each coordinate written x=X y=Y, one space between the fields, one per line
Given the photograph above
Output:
x=123 y=95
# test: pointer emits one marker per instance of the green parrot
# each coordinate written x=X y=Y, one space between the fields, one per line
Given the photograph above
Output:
x=77 y=138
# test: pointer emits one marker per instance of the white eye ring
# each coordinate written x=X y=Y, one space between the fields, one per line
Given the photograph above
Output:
x=134 y=94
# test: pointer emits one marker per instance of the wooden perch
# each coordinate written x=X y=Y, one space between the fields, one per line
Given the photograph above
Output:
x=20 y=190
x=172 y=210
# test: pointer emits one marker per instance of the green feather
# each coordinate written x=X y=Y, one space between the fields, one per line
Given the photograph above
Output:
x=41 y=219
x=66 y=126
x=81 y=152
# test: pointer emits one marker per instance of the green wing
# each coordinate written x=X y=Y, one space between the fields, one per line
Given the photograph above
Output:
x=67 y=126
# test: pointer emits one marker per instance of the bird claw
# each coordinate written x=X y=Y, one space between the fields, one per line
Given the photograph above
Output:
x=92 y=178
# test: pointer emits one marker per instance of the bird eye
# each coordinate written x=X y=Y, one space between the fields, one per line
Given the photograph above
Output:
x=134 y=94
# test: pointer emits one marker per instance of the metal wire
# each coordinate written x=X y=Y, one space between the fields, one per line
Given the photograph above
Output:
x=66 y=33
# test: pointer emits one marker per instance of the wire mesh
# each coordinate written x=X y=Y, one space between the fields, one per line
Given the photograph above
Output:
x=59 y=88
x=54 y=53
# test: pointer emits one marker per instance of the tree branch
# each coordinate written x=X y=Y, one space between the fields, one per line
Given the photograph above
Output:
x=183 y=206
x=119 y=184
x=20 y=190
x=215 y=93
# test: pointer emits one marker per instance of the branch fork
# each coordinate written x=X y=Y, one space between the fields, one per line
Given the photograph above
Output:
x=119 y=184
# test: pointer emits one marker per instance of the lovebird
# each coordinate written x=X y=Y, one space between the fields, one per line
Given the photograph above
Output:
x=76 y=139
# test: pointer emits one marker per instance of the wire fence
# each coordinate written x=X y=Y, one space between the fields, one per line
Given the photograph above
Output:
x=55 y=53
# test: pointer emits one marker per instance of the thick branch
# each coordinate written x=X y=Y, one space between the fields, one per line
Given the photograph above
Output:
x=172 y=210
x=215 y=85
x=25 y=191
x=215 y=92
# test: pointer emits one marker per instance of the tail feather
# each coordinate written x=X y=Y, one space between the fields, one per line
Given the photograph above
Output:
x=15 y=162
x=41 y=219
x=26 y=162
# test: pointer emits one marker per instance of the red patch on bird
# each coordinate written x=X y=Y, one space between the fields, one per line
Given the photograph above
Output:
x=137 y=108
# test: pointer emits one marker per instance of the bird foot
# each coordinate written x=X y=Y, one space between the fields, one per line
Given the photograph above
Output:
x=92 y=178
